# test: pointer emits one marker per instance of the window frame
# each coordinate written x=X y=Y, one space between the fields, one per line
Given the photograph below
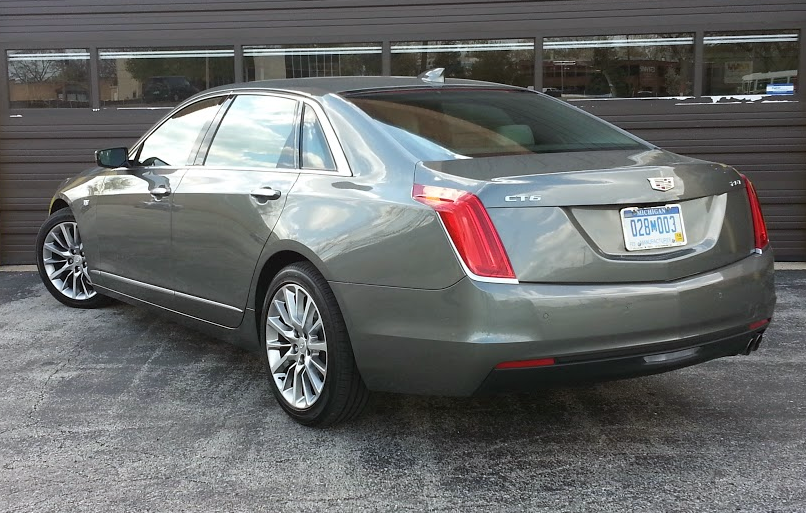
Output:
x=207 y=142
x=695 y=43
x=336 y=149
x=134 y=151
x=5 y=90
x=800 y=45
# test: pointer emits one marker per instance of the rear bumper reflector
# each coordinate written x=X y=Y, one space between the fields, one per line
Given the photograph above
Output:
x=756 y=325
x=522 y=364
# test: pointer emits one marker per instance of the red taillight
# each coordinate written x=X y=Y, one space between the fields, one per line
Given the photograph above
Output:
x=523 y=364
x=470 y=228
x=759 y=226
x=758 y=324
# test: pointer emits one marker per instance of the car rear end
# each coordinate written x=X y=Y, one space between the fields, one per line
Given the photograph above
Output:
x=588 y=253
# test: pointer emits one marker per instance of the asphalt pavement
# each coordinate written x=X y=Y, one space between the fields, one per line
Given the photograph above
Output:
x=118 y=410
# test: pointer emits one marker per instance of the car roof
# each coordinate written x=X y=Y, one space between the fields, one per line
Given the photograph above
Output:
x=320 y=86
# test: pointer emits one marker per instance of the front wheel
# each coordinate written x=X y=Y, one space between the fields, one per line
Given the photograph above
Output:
x=307 y=350
x=61 y=263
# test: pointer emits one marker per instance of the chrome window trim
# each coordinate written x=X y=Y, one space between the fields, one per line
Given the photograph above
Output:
x=336 y=150
x=135 y=149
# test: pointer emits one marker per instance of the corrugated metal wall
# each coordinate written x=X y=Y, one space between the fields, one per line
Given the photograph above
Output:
x=40 y=148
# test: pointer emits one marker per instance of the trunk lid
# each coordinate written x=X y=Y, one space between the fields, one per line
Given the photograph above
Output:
x=559 y=214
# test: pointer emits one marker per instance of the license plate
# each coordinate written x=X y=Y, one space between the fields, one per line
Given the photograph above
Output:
x=653 y=227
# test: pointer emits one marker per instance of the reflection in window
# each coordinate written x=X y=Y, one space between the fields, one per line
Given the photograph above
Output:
x=320 y=60
x=161 y=77
x=315 y=152
x=484 y=123
x=641 y=66
x=507 y=61
x=751 y=62
x=172 y=142
x=257 y=132
x=48 y=78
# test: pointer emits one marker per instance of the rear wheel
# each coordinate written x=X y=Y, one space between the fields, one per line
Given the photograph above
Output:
x=307 y=350
x=61 y=262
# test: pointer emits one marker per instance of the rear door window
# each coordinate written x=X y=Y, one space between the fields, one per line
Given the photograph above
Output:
x=258 y=131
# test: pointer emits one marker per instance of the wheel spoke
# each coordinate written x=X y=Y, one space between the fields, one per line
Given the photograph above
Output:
x=280 y=362
x=53 y=249
x=75 y=287
x=66 y=234
x=291 y=306
x=317 y=345
x=281 y=327
x=308 y=387
x=54 y=236
x=305 y=314
x=283 y=311
x=84 y=285
x=297 y=387
x=311 y=372
x=317 y=364
x=59 y=271
x=300 y=300
x=317 y=326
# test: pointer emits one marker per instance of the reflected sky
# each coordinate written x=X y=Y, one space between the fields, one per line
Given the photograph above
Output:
x=257 y=132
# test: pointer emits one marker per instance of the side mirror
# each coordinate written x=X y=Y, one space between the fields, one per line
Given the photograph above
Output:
x=112 y=157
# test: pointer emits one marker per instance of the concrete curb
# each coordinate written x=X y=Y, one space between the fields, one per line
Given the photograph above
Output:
x=17 y=268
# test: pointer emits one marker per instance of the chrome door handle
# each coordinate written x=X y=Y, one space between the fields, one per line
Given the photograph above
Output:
x=265 y=193
x=159 y=191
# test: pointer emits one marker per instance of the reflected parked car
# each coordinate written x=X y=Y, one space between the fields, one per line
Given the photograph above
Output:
x=416 y=235
x=167 y=89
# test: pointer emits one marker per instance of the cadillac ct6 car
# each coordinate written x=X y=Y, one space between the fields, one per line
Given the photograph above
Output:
x=418 y=235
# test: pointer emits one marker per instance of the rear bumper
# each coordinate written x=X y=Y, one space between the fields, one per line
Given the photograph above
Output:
x=447 y=342
x=623 y=364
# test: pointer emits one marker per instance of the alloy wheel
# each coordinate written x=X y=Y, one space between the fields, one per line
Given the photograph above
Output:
x=296 y=346
x=64 y=262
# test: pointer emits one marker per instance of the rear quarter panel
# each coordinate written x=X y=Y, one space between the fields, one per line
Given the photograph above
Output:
x=366 y=228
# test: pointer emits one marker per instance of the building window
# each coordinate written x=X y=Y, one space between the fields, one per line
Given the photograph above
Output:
x=133 y=77
x=507 y=61
x=319 y=60
x=757 y=62
x=636 y=66
x=49 y=78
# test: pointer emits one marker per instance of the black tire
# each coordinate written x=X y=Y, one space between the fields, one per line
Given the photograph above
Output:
x=61 y=217
x=344 y=394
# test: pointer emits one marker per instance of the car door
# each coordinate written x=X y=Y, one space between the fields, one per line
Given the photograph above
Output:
x=227 y=205
x=134 y=206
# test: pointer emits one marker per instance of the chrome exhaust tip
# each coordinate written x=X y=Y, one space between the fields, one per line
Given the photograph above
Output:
x=754 y=343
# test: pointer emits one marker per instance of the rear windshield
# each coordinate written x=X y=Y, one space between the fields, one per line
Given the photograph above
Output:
x=444 y=123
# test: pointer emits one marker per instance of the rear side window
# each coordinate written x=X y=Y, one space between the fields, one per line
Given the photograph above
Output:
x=256 y=132
x=315 y=151
x=172 y=142
x=475 y=122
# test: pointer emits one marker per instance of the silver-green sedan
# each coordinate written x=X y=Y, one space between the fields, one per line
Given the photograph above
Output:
x=416 y=235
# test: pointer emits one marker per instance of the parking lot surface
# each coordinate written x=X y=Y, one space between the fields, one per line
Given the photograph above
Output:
x=118 y=409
